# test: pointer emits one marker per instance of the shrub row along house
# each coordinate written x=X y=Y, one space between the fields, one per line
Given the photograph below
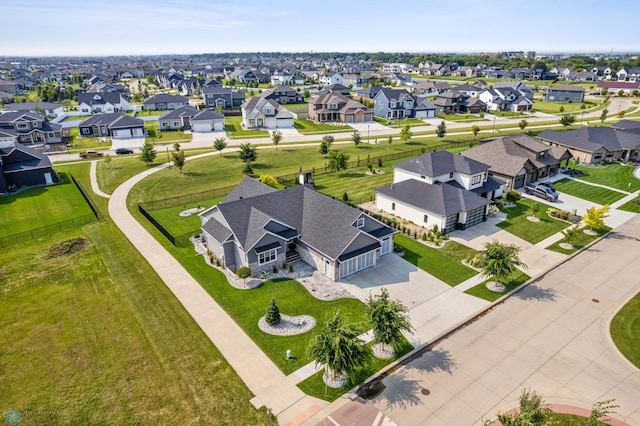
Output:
x=257 y=226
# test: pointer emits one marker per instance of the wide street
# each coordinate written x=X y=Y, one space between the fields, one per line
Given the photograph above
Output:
x=552 y=337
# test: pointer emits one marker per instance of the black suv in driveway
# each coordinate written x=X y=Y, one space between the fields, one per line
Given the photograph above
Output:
x=124 y=151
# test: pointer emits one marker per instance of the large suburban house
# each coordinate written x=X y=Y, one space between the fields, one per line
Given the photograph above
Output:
x=440 y=189
x=47 y=109
x=506 y=99
x=107 y=102
x=629 y=73
x=284 y=95
x=327 y=79
x=262 y=113
x=258 y=226
x=113 y=125
x=394 y=104
x=615 y=86
x=221 y=97
x=190 y=118
x=565 y=93
x=21 y=166
x=595 y=144
x=454 y=102
x=28 y=128
x=519 y=160
x=336 y=107
x=165 y=101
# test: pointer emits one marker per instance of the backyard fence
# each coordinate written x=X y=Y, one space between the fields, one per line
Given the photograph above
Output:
x=44 y=231
x=176 y=240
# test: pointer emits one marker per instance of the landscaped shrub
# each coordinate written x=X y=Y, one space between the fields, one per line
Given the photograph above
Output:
x=424 y=236
x=345 y=197
x=513 y=196
x=273 y=313
x=275 y=268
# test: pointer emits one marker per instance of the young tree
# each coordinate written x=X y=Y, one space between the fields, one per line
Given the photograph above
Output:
x=535 y=208
x=599 y=410
x=243 y=273
x=389 y=141
x=441 y=130
x=621 y=114
x=276 y=137
x=356 y=138
x=306 y=94
x=475 y=129
x=388 y=319
x=248 y=169
x=604 y=91
x=107 y=161
x=219 y=144
x=176 y=147
x=269 y=180
x=570 y=234
x=148 y=153
x=595 y=216
x=523 y=124
x=567 y=120
x=329 y=140
x=532 y=411
x=603 y=116
x=501 y=261
x=561 y=109
x=324 y=147
x=178 y=159
x=338 y=160
x=405 y=133
x=337 y=346
x=273 y=313
x=248 y=153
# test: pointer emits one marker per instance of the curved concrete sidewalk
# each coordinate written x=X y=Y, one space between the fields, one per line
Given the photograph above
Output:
x=93 y=176
x=269 y=385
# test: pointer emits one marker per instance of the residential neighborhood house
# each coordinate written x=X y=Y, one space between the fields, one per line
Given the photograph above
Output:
x=190 y=118
x=262 y=113
x=112 y=125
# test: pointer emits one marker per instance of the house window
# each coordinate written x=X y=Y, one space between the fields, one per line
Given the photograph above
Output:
x=360 y=222
x=541 y=155
x=393 y=104
x=267 y=256
x=252 y=121
x=451 y=175
x=422 y=177
x=22 y=126
x=86 y=131
x=50 y=135
x=393 y=206
x=426 y=219
x=476 y=179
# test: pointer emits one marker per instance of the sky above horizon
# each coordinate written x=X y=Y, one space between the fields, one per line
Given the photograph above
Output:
x=142 y=27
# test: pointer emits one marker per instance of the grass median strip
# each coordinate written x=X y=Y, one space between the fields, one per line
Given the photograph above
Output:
x=483 y=292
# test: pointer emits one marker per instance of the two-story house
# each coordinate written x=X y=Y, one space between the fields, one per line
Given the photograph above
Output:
x=107 y=102
x=48 y=109
x=440 y=189
x=329 y=78
x=454 y=102
x=28 y=128
x=332 y=106
x=284 y=95
x=190 y=118
x=564 y=93
x=394 y=104
x=629 y=73
x=221 y=97
x=505 y=99
x=262 y=113
x=165 y=101
x=21 y=166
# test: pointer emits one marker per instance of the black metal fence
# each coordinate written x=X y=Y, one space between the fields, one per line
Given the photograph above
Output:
x=86 y=197
x=44 y=231
x=176 y=240
x=186 y=199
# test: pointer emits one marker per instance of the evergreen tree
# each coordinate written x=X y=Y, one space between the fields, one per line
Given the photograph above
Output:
x=441 y=130
x=356 y=138
x=273 y=313
x=248 y=153
x=148 y=153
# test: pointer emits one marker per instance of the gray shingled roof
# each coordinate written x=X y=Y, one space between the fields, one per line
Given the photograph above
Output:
x=593 y=138
x=441 y=163
x=246 y=189
x=185 y=111
x=114 y=120
x=22 y=158
x=165 y=98
x=443 y=199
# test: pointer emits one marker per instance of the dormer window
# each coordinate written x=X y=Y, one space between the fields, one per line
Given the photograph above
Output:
x=476 y=179
x=541 y=155
x=333 y=106
x=360 y=222
x=393 y=104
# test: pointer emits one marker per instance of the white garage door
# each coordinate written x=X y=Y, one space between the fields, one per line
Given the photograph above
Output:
x=357 y=263
x=202 y=127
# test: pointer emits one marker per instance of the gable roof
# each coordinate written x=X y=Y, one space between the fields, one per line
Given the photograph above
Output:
x=441 y=198
x=566 y=88
x=113 y=120
x=94 y=98
x=441 y=163
x=594 y=138
x=17 y=157
x=165 y=98
x=185 y=111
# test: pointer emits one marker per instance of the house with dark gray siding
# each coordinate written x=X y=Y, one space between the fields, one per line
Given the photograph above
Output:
x=258 y=226
x=21 y=167
x=565 y=93
x=221 y=97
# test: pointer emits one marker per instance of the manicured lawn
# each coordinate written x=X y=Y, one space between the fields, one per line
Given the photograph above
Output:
x=554 y=107
x=315 y=386
x=37 y=207
x=466 y=118
x=588 y=192
x=308 y=127
x=179 y=225
x=533 y=232
x=625 y=329
x=579 y=242
x=356 y=183
x=75 y=118
x=509 y=114
x=444 y=264
x=400 y=123
x=95 y=337
x=483 y=292
x=616 y=176
x=297 y=108
x=147 y=113
x=166 y=136
x=631 y=206
x=233 y=127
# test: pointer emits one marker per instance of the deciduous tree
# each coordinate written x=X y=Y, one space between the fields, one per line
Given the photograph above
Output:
x=501 y=261
x=148 y=153
x=388 y=319
x=276 y=137
x=219 y=144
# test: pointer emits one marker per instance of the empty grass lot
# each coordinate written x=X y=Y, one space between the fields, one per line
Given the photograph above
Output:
x=595 y=194
x=308 y=127
x=95 y=337
x=37 y=207
x=444 y=264
x=532 y=232
x=554 y=107
x=233 y=128
x=625 y=329
x=483 y=292
x=579 y=242
x=631 y=206
x=615 y=176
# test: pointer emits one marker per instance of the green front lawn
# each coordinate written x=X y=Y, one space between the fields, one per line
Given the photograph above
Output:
x=297 y=108
x=444 y=264
x=233 y=128
x=533 y=232
x=75 y=118
x=95 y=337
x=147 y=113
x=179 y=225
x=466 y=118
x=400 y=123
x=631 y=206
x=37 y=207
x=509 y=114
x=595 y=194
x=165 y=136
x=309 y=127
x=625 y=329
x=554 y=107
x=483 y=292
x=616 y=176
x=579 y=242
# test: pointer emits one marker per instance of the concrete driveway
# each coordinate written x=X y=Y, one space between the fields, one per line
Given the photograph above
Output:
x=127 y=143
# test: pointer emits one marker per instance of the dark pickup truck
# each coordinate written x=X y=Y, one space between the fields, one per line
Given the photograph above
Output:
x=541 y=191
